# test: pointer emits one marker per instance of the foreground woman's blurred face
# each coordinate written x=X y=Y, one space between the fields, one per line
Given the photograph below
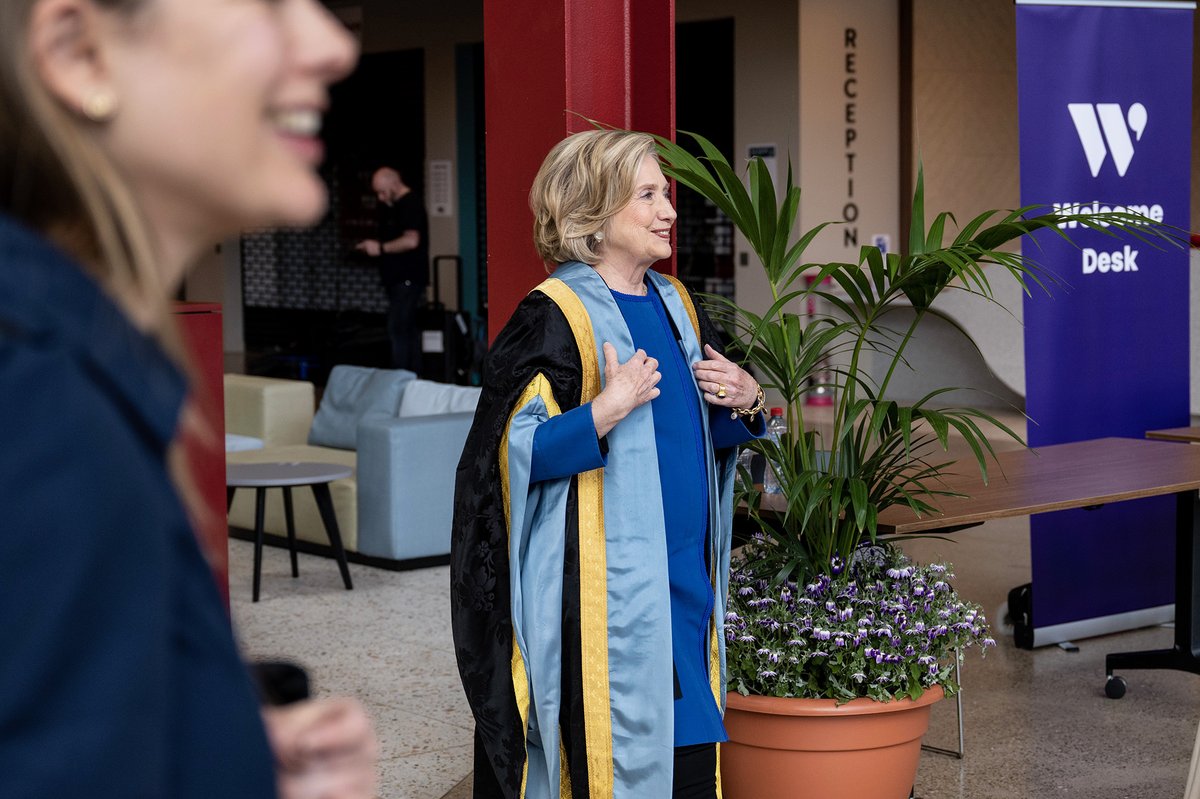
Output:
x=219 y=109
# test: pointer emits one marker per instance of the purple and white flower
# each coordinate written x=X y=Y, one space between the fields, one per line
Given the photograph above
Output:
x=878 y=627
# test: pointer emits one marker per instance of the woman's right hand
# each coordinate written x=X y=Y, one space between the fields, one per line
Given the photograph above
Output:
x=324 y=749
x=626 y=386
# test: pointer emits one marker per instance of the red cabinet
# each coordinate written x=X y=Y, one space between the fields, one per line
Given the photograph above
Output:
x=200 y=328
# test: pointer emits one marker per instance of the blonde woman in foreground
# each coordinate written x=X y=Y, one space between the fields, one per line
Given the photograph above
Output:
x=133 y=135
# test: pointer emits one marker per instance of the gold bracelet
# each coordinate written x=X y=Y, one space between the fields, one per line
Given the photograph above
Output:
x=759 y=403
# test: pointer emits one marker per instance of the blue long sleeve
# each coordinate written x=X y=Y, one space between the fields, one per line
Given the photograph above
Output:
x=565 y=445
x=727 y=432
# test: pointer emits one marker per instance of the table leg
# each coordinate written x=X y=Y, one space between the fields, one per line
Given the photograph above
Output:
x=291 y=528
x=1185 y=654
x=260 y=503
x=325 y=505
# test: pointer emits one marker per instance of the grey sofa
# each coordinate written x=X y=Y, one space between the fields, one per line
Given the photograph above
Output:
x=402 y=435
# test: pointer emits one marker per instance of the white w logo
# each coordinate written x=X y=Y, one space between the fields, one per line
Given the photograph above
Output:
x=1088 y=127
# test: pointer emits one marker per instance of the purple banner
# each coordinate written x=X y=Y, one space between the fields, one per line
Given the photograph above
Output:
x=1105 y=124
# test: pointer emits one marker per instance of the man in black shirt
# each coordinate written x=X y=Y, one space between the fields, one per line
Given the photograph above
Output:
x=402 y=251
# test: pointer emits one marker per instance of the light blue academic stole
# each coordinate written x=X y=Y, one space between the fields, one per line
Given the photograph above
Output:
x=625 y=607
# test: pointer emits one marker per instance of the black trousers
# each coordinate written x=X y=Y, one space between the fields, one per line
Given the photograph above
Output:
x=695 y=772
x=403 y=299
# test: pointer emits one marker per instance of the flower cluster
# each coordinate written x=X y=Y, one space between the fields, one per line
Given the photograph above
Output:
x=879 y=627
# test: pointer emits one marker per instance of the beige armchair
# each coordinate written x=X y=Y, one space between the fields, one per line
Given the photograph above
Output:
x=402 y=435
x=280 y=413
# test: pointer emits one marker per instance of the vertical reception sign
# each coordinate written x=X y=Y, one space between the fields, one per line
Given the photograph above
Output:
x=849 y=111
x=1105 y=124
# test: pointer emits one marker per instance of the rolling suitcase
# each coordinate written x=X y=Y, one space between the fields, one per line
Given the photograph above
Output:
x=445 y=334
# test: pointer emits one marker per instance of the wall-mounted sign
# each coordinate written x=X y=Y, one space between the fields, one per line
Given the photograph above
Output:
x=767 y=153
x=440 y=194
x=849 y=124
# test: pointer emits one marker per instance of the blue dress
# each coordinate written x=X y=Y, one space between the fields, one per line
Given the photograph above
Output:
x=119 y=676
x=560 y=593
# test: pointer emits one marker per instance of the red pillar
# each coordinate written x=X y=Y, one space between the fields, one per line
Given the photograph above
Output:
x=544 y=62
x=200 y=327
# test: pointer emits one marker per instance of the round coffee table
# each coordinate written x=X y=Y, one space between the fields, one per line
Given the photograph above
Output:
x=236 y=443
x=261 y=476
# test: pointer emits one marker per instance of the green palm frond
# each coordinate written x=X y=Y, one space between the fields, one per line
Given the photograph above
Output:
x=879 y=452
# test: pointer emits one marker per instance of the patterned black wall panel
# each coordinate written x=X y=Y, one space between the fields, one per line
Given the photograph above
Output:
x=309 y=269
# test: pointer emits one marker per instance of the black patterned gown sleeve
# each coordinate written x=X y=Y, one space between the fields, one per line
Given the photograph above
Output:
x=709 y=333
x=536 y=339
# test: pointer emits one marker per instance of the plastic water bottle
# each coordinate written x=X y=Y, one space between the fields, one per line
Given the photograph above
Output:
x=776 y=427
x=745 y=460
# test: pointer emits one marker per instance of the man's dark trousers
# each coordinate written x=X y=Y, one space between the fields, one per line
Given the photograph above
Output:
x=403 y=299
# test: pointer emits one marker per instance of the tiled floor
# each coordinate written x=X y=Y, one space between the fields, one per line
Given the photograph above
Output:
x=386 y=642
x=1037 y=723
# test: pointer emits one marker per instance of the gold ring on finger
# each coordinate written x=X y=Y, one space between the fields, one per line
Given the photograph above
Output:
x=721 y=393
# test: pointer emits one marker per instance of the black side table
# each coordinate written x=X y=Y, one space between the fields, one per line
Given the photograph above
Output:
x=261 y=476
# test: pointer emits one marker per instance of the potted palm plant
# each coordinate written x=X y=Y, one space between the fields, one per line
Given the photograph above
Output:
x=824 y=620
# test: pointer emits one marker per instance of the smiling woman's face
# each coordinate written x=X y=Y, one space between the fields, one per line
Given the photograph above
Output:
x=640 y=233
x=219 y=110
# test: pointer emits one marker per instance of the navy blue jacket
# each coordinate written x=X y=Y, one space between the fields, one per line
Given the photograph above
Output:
x=118 y=672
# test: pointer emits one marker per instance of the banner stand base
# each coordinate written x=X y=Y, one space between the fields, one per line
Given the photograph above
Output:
x=1028 y=636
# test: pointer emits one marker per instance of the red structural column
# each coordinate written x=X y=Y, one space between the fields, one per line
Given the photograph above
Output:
x=200 y=327
x=549 y=65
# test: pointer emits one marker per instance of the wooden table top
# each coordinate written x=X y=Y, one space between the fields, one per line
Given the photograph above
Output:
x=1059 y=477
x=1188 y=434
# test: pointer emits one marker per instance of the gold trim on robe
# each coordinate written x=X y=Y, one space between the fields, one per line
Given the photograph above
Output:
x=593 y=564
x=538 y=387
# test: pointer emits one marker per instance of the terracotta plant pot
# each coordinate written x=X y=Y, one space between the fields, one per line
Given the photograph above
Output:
x=814 y=749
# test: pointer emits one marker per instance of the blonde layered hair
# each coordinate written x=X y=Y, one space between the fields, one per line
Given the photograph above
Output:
x=56 y=179
x=585 y=180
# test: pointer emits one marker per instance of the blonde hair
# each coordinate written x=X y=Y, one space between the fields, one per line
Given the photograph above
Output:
x=55 y=177
x=585 y=180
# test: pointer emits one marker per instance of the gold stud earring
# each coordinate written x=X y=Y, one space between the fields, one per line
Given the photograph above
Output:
x=100 y=105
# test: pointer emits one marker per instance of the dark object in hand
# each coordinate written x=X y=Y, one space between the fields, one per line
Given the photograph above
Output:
x=279 y=683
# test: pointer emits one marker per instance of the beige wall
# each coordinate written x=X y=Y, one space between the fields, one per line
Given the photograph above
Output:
x=965 y=104
x=965 y=130
x=850 y=129
x=217 y=277
x=965 y=133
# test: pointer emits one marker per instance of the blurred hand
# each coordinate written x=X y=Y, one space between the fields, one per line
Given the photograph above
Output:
x=741 y=390
x=626 y=386
x=370 y=246
x=324 y=749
